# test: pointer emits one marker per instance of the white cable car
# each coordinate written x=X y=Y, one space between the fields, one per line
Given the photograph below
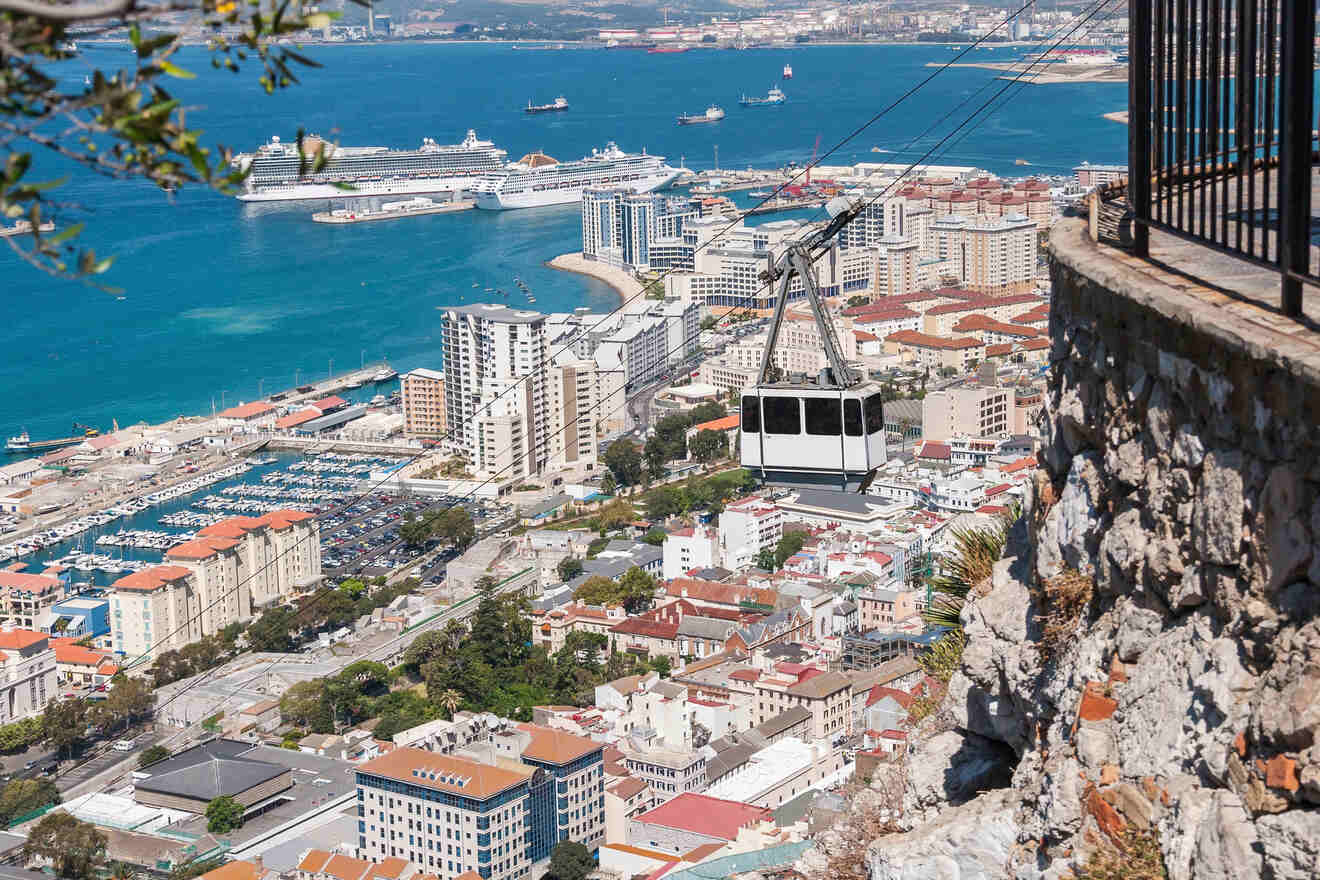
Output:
x=826 y=431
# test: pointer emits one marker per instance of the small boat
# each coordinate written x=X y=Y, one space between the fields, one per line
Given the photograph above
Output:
x=384 y=374
x=761 y=194
x=558 y=104
x=19 y=442
x=712 y=114
x=788 y=71
x=378 y=400
x=1021 y=162
x=774 y=96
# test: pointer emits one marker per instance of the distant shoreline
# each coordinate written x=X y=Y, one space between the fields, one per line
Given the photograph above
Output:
x=624 y=284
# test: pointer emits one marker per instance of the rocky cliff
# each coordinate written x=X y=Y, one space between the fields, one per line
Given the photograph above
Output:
x=1181 y=695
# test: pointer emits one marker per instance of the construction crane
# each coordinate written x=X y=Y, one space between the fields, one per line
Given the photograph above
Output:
x=88 y=430
x=814 y=151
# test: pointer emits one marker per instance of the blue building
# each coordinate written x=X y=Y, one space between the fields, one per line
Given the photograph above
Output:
x=79 y=617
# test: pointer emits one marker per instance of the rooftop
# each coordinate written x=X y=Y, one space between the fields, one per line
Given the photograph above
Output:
x=442 y=772
x=210 y=770
x=556 y=746
x=701 y=814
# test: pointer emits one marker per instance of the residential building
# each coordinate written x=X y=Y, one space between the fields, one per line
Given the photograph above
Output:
x=77 y=665
x=747 y=527
x=880 y=608
x=826 y=695
x=667 y=770
x=774 y=775
x=1089 y=175
x=935 y=352
x=690 y=548
x=631 y=230
x=495 y=397
x=977 y=410
x=27 y=598
x=225 y=575
x=29 y=678
x=422 y=394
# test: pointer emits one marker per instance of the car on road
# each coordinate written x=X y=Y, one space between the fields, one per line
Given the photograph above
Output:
x=123 y=745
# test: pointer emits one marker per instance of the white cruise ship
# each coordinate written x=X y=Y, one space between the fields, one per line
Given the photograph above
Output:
x=371 y=171
x=537 y=179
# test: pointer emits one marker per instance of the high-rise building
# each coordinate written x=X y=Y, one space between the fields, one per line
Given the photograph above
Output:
x=620 y=227
x=422 y=393
x=488 y=349
x=976 y=411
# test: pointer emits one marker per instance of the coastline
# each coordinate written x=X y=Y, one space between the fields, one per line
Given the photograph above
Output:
x=624 y=284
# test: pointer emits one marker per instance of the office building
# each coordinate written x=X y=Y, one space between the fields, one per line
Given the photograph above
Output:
x=978 y=411
x=422 y=394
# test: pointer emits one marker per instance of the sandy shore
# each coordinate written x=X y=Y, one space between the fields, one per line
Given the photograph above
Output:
x=627 y=286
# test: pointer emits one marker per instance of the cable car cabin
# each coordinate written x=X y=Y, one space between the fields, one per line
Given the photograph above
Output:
x=804 y=435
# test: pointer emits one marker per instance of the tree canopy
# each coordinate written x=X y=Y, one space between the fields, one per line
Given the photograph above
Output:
x=624 y=462
x=224 y=814
x=75 y=849
x=127 y=123
x=570 y=860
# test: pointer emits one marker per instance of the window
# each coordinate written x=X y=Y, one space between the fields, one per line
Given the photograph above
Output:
x=823 y=416
x=751 y=415
x=782 y=415
x=875 y=414
x=852 y=418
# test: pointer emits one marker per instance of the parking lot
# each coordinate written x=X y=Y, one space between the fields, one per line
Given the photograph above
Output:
x=363 y=540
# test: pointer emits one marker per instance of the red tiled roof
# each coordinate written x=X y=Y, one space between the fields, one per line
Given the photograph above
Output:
x=1021 y=464
x=556 y=746
x=18 y=639
x=77 y=655
x=981 y=302
x=1037 y=344
x=334 y=401
x=710 y=816
x=879 y=692
x=640 y=626
x=999 y=349
x=745 y=674
x=200 y=548
x=890 y=733
x=152 y=578
x=282 y=519
x=925 y=340
x=293 y=420
x=723 y=594
x=863 y=336
x=984 y=322
x=935 y=450
x=471 y=779
x=728 y=423
x=36 y=583
x=246 y=410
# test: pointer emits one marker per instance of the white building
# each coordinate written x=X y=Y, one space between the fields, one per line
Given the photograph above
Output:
x=30 y=678
x=747 y=527
x=689 y=548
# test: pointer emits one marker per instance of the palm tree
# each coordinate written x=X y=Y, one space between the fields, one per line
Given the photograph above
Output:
x=976 y=551
x=450 y=700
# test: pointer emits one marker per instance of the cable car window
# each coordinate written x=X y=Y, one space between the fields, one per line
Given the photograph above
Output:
x=782 y=415
x=823 y=416
x=852 y=417
x=751 y=415
x=875 y=414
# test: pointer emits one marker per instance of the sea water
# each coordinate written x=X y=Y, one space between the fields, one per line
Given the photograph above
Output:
x=222 y=300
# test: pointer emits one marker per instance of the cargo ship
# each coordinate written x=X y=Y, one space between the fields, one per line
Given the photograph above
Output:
x=774 y=96
x=788 y=71
x=555 y=106
x=712 y=114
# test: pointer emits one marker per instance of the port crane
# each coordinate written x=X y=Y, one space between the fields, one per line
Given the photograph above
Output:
x=825 y=431
x=88 y=430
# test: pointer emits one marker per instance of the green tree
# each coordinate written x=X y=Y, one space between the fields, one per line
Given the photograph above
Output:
x=353 y=588
x=121 y=871
x=607 y=484
x=708 y=322
x=128 y=698
x=671 y=432
x=706 y=412
x=655 y=537
x=272 y=631
x=450 y=700
x=708 y=445
x=306 y=705
x=624 y=462
x=858 y=300
x=638 y=590
x=662 y=665
x=20 y=734
x=224 y=814
x=153 y=755
x=766 y=559
x=455 y=528
x=599 y=590
x=426 y=646
x=656 y=454
x=414 y=531
x=21 y=796
x=569 y=567
x=125 y=123
x=616 y=513
x=63 y=722
x=789 y=544
x=570 y=860
x=74 y=849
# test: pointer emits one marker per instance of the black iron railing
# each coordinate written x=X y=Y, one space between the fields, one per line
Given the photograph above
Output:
x=1222 y=107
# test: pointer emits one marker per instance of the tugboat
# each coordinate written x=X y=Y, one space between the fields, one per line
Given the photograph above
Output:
x=774 y=96
x=712 y=114
x=788 y=71
x=558 y=104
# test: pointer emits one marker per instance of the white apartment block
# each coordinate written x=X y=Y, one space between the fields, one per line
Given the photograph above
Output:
x=640 y=341
x=689 y=548
x=572 y=397
x=988 y=254
x=747 y=527
x=488 y=349
x=29 y=677
x=628 y=230
x=227 y=574
x=422 y=394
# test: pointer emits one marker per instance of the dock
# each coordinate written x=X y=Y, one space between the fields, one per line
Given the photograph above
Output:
x=412 y=208
x=776 y=205
x=735 y=186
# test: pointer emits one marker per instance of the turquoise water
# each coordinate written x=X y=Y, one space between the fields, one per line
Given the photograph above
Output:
x=221 y=298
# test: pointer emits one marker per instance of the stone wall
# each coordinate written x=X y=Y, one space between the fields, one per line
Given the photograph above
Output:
x=1181 y=476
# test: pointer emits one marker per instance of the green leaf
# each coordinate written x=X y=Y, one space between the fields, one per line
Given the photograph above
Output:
x=175 y=70
x=66 y=234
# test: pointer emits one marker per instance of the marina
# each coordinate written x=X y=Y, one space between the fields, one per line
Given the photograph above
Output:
x=414 y=207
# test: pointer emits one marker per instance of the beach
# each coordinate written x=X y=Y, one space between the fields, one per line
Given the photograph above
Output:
x=627 y=286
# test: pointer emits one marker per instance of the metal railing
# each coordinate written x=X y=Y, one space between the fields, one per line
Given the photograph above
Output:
x=1222 y=105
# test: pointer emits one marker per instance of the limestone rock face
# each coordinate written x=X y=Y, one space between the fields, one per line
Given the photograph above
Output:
x=1180 y=472
x=974 y=841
